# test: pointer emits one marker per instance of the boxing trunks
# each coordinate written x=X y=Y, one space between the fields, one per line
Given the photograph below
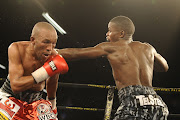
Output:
x=140 y=103
x=28 y=95
x=27 y=105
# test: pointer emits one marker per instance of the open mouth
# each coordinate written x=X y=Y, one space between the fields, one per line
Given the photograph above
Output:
x=46 y=55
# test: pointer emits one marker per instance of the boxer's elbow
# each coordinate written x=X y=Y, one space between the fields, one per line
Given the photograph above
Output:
x=166 y=68
x=15 y=88
x=160 y=64
x=161 y=67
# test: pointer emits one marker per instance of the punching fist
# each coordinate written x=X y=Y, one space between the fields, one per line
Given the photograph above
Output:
x=55 y=64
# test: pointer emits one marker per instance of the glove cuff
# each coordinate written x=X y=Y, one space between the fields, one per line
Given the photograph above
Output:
x=40 y=75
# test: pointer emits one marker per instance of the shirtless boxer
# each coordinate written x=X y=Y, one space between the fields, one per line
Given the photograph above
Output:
x=33 y=65
x=132 y=65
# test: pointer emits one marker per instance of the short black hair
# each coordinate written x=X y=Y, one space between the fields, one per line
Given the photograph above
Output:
x=124 y=23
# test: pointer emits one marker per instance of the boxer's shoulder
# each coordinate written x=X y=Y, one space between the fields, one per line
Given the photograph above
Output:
x=18 y=46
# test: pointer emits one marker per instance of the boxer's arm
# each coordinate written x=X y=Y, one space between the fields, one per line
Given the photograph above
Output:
x=160 y=64
x=18 y=82
x=71 y=54
x=51 y=87
x=52 y=83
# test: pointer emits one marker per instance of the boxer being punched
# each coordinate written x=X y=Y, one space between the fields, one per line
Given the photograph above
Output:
x=132 y=65
x=33 y=65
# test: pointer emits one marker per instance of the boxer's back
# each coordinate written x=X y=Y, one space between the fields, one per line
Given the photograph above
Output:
x=132 y=63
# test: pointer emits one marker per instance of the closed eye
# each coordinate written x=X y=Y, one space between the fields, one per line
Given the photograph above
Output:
x=46 y=41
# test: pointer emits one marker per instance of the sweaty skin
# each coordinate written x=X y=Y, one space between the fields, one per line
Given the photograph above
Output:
x=132 y=62
x=27 y=56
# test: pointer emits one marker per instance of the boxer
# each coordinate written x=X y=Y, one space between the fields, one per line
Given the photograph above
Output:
x=33 y=65
x=132 y=65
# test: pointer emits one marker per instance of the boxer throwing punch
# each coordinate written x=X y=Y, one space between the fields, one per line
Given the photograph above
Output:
x=132 y=65
x=33 y=65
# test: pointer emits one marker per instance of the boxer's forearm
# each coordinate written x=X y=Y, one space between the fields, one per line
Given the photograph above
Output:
x=72 y=54
x=160 y=64
x=51 y=86
x=22 y=83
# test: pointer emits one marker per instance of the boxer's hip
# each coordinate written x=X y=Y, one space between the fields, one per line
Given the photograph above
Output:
x=28 y=95
x=139 y=96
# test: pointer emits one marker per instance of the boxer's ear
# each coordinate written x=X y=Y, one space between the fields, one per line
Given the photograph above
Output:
x=32 y=39
x=122 y=33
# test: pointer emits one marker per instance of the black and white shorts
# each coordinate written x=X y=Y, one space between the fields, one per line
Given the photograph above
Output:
x=140 y=103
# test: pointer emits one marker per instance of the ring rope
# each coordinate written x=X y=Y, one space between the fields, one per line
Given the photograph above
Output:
x=81 y=108
x=75 y=85
x=105 y=87
x=3 y=79
x=83 y=85
x=98 y=110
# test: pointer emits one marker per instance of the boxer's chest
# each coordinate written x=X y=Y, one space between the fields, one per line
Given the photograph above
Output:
x=30 y=65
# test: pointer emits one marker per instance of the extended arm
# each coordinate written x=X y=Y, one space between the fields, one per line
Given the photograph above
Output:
x=71 y=54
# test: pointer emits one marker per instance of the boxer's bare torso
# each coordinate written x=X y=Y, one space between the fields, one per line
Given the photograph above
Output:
x=23 y=61
x=132 y=62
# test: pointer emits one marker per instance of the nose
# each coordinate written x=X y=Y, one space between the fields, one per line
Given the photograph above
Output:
x=107 y=34
x=49 y=47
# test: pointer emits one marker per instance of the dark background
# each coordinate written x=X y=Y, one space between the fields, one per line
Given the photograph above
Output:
x=85 y=21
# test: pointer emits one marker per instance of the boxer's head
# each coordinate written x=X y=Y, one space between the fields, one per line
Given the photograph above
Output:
x=120 y=27
x=44 y=39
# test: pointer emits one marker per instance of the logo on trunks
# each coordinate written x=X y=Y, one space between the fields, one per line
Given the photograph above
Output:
x=8 y=107
x=52 y=65
x=149 y=100
x=45 y=112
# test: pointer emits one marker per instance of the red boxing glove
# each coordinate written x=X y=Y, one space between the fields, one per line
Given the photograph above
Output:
x=55 y=64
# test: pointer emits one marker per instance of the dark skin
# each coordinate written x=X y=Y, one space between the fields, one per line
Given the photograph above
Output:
x=132 y=62
x=27 y=56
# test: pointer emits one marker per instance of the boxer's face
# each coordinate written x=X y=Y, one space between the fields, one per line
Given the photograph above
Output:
x=113 y=33
x=44 y=44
